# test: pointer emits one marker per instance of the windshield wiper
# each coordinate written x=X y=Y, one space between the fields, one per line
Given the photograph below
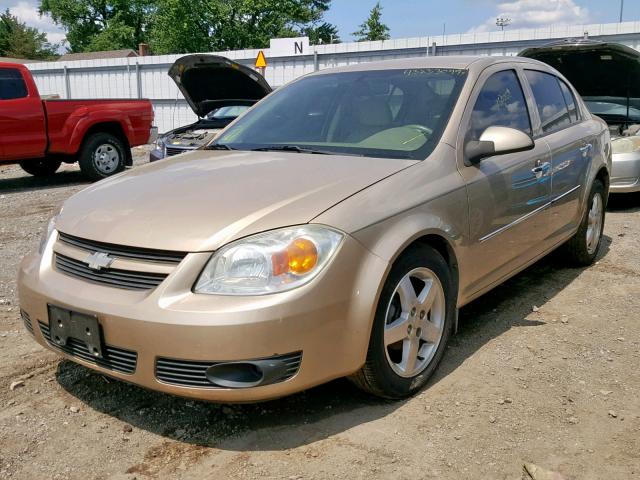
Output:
x=218 y=146
x=289 y=148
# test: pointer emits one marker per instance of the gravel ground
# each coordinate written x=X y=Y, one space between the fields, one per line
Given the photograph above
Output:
x=544 y=369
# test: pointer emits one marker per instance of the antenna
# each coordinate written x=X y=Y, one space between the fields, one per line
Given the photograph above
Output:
x=503 y=22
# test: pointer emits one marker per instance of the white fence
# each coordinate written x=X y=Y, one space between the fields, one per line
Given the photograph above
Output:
x=146 y=77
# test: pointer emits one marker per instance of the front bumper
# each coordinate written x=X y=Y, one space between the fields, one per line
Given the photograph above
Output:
x=164 y=151
x=625 y=173
x=328 y=320
x=156 y=154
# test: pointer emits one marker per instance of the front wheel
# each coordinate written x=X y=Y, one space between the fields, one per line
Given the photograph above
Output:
x=102 y=155
x=413 y=322
x=583 y=247
x=40 y=167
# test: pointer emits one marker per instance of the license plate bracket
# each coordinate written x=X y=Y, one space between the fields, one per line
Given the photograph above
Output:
x=65 y=324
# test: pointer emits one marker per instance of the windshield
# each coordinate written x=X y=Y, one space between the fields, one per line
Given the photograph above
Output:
x=227 y=112
x=382 y=113
x=614 y=108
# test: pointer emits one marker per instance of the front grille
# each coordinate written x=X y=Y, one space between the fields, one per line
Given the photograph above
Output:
x=27 y=321
x=116 y=359
x=176 y=151
x=188 y=373
x=112 y=277
x=123 y=251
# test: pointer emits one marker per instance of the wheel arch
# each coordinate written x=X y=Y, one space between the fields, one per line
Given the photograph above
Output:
x=603 y=176
x=440 y=244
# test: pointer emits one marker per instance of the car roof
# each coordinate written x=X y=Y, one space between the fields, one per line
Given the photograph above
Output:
x=475 y=63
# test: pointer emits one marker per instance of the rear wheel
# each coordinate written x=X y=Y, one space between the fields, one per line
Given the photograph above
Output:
x=102 y=155
x=40 y=167
x=413 y=323
x=582 y=248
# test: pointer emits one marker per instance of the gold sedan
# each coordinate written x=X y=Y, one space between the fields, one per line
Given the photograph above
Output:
x=333 y=230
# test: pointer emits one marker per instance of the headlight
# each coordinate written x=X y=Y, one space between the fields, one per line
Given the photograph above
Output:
x=158 y=144
x=626 y=144
x=269 y=262
x=51 y=226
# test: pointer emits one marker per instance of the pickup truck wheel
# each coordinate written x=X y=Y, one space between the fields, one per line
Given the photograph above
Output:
x=41 y=167
x=412 y=325
x=102 y=155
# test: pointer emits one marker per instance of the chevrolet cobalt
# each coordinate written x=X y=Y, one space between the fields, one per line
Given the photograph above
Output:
x=333 y=230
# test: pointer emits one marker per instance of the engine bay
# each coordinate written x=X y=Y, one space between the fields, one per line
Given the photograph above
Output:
x=191 y=138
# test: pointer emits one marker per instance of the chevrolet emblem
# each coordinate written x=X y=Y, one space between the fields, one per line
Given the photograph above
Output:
x=99 y=260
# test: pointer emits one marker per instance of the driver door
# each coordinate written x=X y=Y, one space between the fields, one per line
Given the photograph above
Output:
x=508 y=194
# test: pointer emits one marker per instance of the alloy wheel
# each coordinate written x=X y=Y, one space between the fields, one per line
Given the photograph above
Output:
x=414 y=323
x=594 y=223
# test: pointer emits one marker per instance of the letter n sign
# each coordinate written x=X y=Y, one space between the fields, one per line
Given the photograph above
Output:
x=289 y=47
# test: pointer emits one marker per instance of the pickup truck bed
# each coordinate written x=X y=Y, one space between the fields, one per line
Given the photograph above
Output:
x=66 y=119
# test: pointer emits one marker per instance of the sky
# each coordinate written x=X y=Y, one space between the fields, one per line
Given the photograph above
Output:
x=413 y=18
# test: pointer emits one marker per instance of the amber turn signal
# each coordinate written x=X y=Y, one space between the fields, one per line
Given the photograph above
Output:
x=299 y=257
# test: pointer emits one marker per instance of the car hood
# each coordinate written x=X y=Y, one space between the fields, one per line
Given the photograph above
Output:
x=204 y=199
x=210 y=81
x=596 y=69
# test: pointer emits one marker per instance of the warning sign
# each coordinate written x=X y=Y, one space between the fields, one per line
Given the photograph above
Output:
x=261 y=61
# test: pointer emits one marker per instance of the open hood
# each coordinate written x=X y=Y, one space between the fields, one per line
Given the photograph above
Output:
x=210 y=81
x=596 y=69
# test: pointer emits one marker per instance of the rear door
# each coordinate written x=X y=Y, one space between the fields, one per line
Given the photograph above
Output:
x=507 y=193
x=22 y=124
x=562 y=127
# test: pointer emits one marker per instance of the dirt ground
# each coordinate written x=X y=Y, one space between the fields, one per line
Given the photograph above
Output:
x=557 y=385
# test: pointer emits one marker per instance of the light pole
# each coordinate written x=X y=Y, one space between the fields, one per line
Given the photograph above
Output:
x=621 y=9
x=503 y=22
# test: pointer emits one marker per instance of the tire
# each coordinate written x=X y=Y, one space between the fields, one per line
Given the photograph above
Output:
x=582 y=249
x=41 y=167
x=382 y=374
x=102 y=155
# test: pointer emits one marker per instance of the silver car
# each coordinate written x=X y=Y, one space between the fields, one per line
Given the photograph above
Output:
x=607 y=76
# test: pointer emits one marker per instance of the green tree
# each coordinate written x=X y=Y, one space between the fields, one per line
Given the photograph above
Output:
x=373 y=28
x=322 y=34
x=19 y=41
x=181 y=26
x=101 y=24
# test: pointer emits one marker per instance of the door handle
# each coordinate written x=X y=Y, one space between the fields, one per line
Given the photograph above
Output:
x=540 y=169
x=585 y=149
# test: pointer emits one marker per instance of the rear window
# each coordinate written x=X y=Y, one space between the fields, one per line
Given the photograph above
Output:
x=551 y=104
x=570 y=100
x=11 y=84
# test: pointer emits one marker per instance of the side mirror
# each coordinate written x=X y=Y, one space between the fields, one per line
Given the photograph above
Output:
x=496 y=141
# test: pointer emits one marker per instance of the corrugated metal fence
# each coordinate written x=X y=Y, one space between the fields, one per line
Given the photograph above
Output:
x=146 y=77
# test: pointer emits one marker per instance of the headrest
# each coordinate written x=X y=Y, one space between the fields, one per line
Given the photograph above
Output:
x=373 y=111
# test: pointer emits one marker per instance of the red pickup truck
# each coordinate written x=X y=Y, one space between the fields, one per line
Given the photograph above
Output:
x=41 y=134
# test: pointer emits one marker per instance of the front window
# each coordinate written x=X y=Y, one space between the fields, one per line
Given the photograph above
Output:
x=500 y=103
x=382 y=113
